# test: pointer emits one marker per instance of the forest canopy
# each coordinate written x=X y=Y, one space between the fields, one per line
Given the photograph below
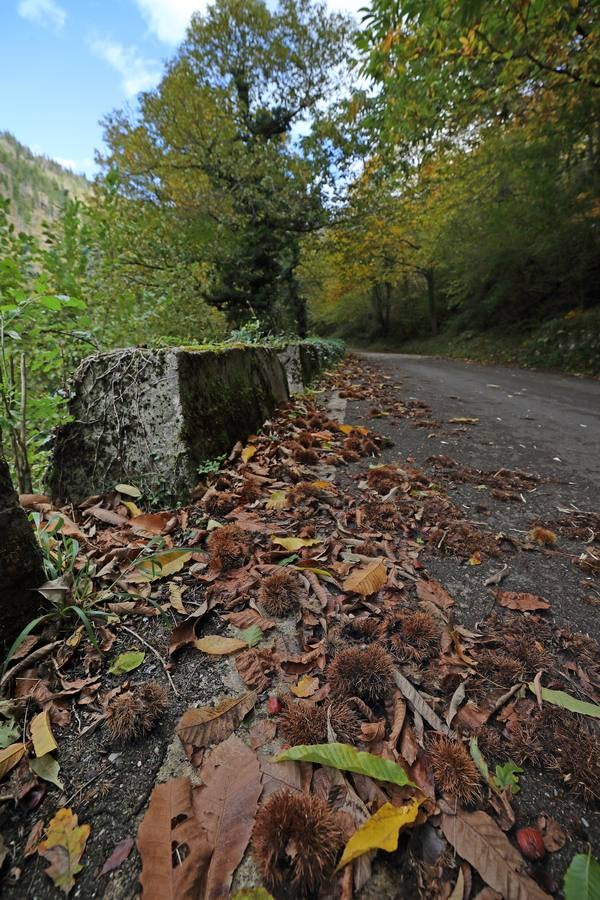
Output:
x=432 y=169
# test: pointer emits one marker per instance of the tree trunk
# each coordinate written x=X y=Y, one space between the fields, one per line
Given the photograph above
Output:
x=431 y=301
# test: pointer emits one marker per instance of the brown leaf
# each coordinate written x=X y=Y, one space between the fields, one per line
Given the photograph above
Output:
x=553 y=836
x=433 y=592
x=417 y=702
x=107 y=516
x=368 y=579
x=263 y=732
x=256 y=666
x=248 y=617
x=199 y=728
x=476 y=838
x=151 y=523
x=226 y=805
x=217 y=645
x=33 y=839
x=9 y=757
x=172 y=844
x=185 y=632
x=294 y=776
x=522 y=602
x=118 y=856
x=305 y=687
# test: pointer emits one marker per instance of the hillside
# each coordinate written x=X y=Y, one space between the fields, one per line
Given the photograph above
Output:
x=35 y=184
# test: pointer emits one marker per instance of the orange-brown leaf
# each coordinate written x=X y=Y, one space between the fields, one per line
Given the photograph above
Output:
x=520 y=601
x=368 y=579
x=208 y=725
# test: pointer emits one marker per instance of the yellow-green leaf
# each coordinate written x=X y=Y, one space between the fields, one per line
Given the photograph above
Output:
x=346 y=758
x=127 y=662
x=9 y=757
x=217 y=645
x=63 y=847
x=380 y=832
x=560 y=698
x=129 y=489
x=248 y=452
x=277 y=500
x=47 y=767
x=293 y=543
x=159 y=565
x=368 y=579
x=133 y=508
x=41 y=734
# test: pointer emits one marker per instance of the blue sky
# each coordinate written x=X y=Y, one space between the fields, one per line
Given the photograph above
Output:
x=66 y=63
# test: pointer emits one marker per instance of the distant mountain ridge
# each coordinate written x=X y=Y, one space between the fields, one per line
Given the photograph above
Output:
x=36 y=186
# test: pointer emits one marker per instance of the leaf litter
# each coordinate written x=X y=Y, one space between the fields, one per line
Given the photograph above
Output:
x=381 y=766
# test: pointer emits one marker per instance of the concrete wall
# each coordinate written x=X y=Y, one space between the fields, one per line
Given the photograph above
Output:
x=151 y=417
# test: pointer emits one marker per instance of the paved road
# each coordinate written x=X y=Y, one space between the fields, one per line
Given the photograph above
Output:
x=550 y=422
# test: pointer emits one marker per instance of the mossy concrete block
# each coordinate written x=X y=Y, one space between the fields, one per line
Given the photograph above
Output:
x=151 y=417
x=20 y=562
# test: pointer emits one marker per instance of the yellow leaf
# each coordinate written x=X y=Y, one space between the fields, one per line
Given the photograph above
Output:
x=133 y=509
x=348 y=429
x=380 y=832
x=160 y=565
x=475 y=560
x=248 y=452
x=219 y=646
x=63 y=847
x=175 y=595
x=128 y=489
x=277 y=500
x=463 y=420
x=41 y=734
x=305 y=687
x=324 y=485
x=9 y=757
x=292 y=543
x=368 y=579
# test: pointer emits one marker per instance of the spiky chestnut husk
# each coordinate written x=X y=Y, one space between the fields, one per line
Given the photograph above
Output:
x=306 y=723
x=385 y=516
x=305 y=438
x=296 y=842
x=414 y=636
x=368 y=549
x=365 y=673
x=306 y=456
x=219 y=503
x=369 y=448
x=349 y=455
x=454 y=771
x=280 y=593
x=250 y=491
x=363 y=628
x=353 y=442
x=302 y=491
x=542 y=536
x=383 y=478
x=229 y=547
x=135 y=713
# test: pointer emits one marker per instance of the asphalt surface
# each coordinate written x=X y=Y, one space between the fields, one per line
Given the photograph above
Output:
x=537 y=420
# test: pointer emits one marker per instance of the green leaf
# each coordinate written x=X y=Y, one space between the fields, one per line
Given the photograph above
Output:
x=582 y=878
x=345 y=757
x=127 y=662
x=478 y=758
x=252 y=635
x=559 y=698
x=506 y=776
x=50 y=302
x=47 y=767
x=9 y=732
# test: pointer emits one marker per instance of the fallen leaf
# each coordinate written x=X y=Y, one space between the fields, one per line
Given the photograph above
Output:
x=262 y=732
x=169 y=824
x=133 y=508
x=251 y=636
x=248 y=452
x=419 y=703
x=248 y=617
x=277 y=500
x=41 y=734
x=434 y=592
x=368 y=579
x=566 y=701
x=294 y=543
x=199 y=728
x=119 y=854
x=458 y=891
x=217 y=645
x=33 y=838
x=475 y=559
x=520 y=601
x=185 y=632
x=380 y=832
x=160 y=565
x=9 y=757
x=127 y=662
x=129 y=489
x=477 y=839
x=107 y=516
x=47 y=767
x=346 y=758
x=553 y=835
x=226 y=805
x=255 y=893
x=175 y=598
x=463 y=420
x=582 y=878
x=305 y=687
x=63 y=847
x=150 y=524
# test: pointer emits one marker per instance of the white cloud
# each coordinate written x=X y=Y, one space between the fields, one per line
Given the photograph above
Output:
x=137 y=72
x=168 y=19
x=352 y=7
x=87 y=166
x=42 y=12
